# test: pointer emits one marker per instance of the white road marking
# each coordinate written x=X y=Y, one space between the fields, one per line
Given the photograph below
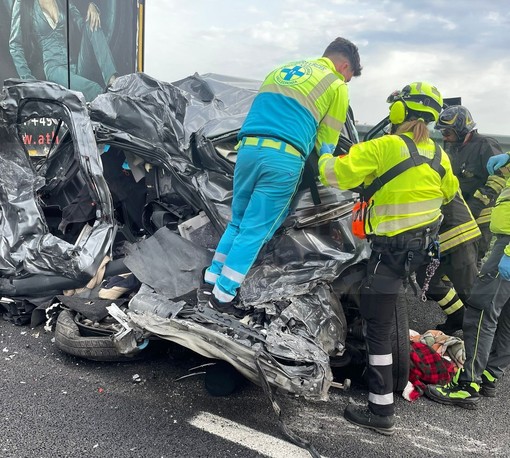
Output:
x=247 y=437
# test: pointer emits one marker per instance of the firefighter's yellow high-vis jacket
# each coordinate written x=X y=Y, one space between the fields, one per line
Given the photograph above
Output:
x=458 y=225
x=500 y=218
x=410 y=200
x=312 y=100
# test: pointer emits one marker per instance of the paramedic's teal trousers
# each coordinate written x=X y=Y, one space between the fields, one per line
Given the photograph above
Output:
x=265 y=181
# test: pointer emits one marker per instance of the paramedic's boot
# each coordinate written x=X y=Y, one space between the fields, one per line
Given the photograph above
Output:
x=453 y=322
x=204 y=291
x=364 y=417
x=488 y=385
x=229 y=308
x=462 y=394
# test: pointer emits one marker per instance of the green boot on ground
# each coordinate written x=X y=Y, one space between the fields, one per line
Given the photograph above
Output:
x=488 y=385
x=462 y=394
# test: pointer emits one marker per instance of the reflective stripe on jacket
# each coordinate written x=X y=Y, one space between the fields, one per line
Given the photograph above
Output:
x=458 y=225
x=469 y=164
x=410 y=200
x=302 y=103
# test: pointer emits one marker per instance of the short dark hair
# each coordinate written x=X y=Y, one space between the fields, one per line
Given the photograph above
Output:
x=347 y=49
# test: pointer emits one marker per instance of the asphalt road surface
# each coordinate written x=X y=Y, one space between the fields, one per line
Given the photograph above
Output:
x=55 y=405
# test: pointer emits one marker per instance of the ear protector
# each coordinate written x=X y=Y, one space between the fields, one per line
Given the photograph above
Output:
x=398 y=112
x=398 y=109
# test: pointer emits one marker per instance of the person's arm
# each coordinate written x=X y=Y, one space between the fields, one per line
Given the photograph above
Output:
x=332 y=123
x=16 y=44
x=504 y=264
x=500 y=218
x=485 y=196
x=76 y=16
x=497 y=162
x=351 y=170
x=93 y=17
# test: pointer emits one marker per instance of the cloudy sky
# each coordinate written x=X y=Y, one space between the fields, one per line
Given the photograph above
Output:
x=461 y=47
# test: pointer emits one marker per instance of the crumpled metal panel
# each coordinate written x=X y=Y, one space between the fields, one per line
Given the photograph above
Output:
x=168 y=115
x=202 y=116
x=168 y=263
x=148 y=301
x=309 y=375
x=317 y=315
x=295 y=260
x=173 y=126
x=20 y=213
x=219 y=103
x=146 y=109
x=26 y=246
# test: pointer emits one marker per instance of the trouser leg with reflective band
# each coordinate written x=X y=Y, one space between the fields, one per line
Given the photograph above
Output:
x=385 y=272
x=482 y=317
x=265 y=180
x=460 y=267
x=378 y=312
x=499 y=358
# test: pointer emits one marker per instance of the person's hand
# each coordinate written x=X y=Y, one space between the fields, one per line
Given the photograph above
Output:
x=93 y=17
x=504 y=267
x=496 y=162
x=325 y=154
x=326 y=148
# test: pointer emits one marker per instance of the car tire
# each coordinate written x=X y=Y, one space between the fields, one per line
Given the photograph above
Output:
x=69 y=340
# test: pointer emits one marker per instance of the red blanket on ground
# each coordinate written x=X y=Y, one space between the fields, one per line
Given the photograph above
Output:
x=427 y=367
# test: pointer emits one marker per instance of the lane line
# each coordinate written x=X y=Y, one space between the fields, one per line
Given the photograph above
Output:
x=264 y=444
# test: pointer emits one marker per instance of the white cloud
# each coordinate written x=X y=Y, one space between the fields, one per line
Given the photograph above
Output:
x=462 y=51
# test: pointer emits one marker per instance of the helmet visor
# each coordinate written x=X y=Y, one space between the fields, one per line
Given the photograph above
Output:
x=448 y=133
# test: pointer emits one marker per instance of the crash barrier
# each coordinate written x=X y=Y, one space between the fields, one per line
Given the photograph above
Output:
x=503 y=140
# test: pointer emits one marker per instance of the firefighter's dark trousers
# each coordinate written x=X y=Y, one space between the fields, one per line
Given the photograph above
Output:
x=487 y=320
x=485 y=241
x=392 y=260
x=460 y=266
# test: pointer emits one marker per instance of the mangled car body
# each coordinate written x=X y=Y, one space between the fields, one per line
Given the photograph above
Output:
x=142 y=182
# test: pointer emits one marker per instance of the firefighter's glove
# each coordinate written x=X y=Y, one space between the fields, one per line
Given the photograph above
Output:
x=496 y=162
x=504 y=267
x=327 y=148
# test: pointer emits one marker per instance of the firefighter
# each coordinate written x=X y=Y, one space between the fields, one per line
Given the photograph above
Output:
x=300 y=105
x=487 y=316
x=451 y=283
x=463 y=245
x=405 y=180
x=469 y=152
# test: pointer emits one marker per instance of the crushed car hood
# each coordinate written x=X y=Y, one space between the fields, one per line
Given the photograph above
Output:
x=298 y=322
x=181 y=138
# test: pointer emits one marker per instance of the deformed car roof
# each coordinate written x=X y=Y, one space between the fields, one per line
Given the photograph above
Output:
x=26 y=245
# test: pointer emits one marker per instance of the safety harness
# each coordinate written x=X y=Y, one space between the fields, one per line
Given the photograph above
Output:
x=413 y=160
x=403 y=241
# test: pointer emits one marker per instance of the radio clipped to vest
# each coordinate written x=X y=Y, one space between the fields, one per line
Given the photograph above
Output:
x=359 y=215
x=360 y=209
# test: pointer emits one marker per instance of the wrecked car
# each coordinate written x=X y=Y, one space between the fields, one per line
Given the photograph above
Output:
x=140 y=183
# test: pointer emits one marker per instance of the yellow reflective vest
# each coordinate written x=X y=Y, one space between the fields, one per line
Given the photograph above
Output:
x=410 y=200
x=500 y=218
x=301 y=103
